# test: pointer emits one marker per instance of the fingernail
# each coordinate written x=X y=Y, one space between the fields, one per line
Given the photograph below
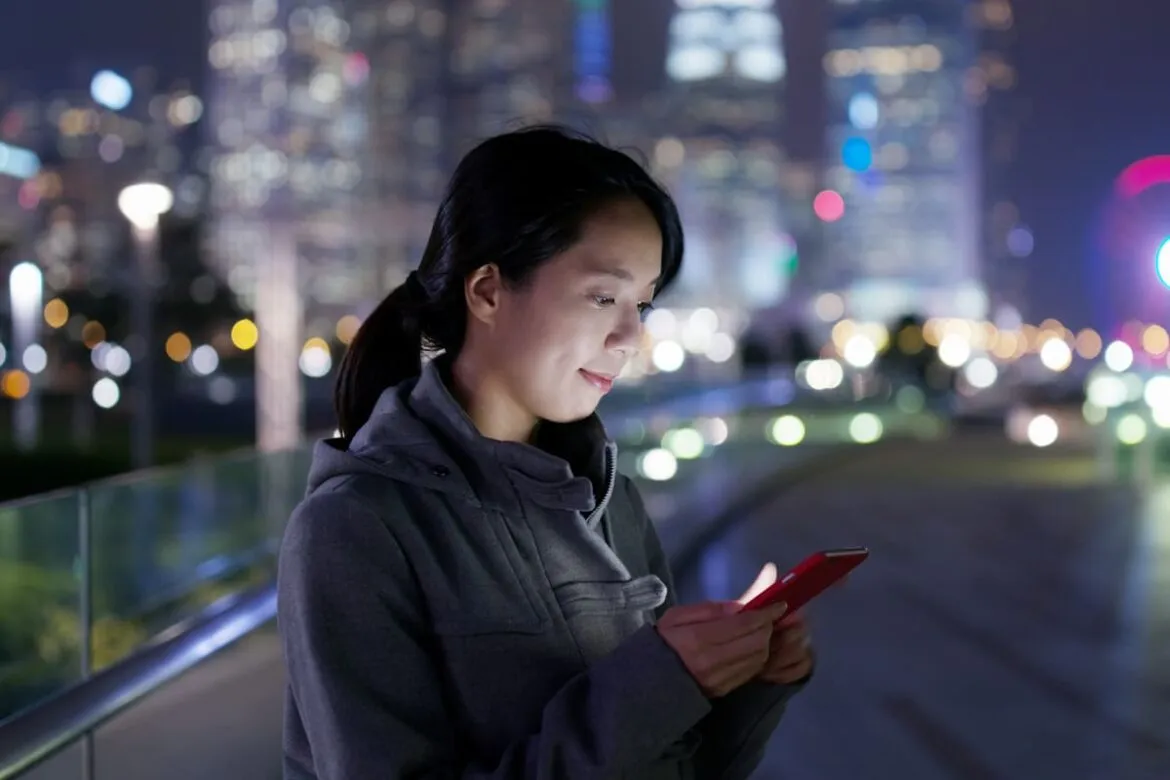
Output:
x=732 y=607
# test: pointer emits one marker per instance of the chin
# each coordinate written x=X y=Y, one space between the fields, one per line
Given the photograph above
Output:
x=571 y=412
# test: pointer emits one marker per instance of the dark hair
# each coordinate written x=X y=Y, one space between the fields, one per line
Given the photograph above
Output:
x=515 y=200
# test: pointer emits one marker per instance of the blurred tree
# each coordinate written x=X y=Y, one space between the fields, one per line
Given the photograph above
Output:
x=908 y=354
x=798 y=346
x=754 y=353
x=192 y=298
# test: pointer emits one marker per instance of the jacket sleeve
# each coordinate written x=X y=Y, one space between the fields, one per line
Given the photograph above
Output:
x=365 y=679
x=735 y=734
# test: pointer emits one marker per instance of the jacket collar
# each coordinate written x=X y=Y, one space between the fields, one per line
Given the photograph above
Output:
x=419 y=433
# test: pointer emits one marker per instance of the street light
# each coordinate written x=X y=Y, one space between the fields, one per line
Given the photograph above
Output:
x=142 y=204
x=1162 y=263
x=26 y=285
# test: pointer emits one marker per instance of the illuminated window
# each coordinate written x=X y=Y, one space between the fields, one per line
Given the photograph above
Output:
x=761 y=63
x=864 y=112
x=705 y=37
x=756 y=4
x=695 y=63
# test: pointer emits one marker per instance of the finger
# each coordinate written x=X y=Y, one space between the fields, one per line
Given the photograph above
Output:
x=797 y=635
x=792 y=620
x=783 y=656
x=703 y=612
x=791 y=637
x=791 y=655
x=788 y=654
x=764 y=580
x=736 y=673
x=733 y=627
x=790 y=674
x=749 y=647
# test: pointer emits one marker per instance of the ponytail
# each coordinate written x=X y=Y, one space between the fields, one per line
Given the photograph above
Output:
x=386 y=350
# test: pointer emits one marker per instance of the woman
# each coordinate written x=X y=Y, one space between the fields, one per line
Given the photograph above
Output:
x=469 y=589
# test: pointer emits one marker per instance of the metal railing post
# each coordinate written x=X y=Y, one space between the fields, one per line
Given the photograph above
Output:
x=85 y=613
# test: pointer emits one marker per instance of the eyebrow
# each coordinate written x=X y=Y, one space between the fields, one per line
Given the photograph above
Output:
x=617 y=273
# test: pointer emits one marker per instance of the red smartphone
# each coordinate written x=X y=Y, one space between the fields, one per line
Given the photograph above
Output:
x=812 y=576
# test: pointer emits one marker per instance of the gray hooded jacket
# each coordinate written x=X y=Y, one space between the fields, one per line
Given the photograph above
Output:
x=456 y=607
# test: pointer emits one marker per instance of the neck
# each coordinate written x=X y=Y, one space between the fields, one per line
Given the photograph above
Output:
x=485 y=398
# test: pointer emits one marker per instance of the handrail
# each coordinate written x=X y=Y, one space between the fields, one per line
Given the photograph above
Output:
x=36 y=734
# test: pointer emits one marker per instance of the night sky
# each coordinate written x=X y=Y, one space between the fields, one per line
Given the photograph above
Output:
x=1095 y=73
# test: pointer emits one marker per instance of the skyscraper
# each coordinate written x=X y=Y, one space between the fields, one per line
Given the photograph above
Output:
x=402 y=47
x=903 y=150
x=1006 y=240
x=286 y=120
x=333 y=127
x=723 y=158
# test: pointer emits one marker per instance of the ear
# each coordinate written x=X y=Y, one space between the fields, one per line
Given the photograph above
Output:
x=482 y=290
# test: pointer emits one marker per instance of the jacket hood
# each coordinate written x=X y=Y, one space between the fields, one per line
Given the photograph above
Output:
x=419 y=434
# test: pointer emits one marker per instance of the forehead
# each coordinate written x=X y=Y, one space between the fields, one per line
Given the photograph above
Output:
x=620 y=240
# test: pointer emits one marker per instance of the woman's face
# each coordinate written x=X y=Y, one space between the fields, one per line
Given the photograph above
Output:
x=560 y=340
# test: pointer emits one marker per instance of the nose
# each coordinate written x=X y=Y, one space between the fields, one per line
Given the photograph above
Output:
x=626 y=336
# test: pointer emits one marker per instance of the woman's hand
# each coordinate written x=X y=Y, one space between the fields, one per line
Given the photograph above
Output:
x=720 y=646
x=790 y=657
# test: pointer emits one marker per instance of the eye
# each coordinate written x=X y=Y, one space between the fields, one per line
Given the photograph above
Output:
x=605 y=301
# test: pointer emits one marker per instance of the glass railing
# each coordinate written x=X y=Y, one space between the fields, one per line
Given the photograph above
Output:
x=113 y=564
x=90 y=575
x=39 y=598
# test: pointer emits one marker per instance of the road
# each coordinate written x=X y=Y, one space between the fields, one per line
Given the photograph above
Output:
x=1013 y=620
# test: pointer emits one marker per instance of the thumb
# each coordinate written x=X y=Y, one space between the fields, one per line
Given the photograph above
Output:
x=764 y=580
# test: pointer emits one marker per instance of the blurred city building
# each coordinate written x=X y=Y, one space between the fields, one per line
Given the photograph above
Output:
x=287 y=128
x=902 y=204
x=743 y=201
x=89 y=143
x=333 y=128
x=1007 y=240
x=64 y=158
x=714 y=135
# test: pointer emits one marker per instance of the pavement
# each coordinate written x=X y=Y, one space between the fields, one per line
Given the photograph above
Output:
x=1013 y=620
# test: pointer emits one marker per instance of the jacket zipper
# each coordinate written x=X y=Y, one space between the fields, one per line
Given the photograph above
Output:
x=610 y=482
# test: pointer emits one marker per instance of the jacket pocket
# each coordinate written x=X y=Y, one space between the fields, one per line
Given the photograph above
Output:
x=639 y=594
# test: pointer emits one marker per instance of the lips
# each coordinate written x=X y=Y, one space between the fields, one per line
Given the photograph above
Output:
x=603 y=382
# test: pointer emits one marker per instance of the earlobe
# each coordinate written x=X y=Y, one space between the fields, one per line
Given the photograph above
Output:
x=482 y=289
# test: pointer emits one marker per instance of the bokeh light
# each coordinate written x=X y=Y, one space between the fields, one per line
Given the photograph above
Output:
x=106 y=393
x=93 y=333
x=829 y=206
x=56 y=313
x=787 y=430
x=15 y=384
x=347 y=328
x=1162 y=263
x=245 y=334
x=1043 y=431
x=316 y=361
x=178 y=346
